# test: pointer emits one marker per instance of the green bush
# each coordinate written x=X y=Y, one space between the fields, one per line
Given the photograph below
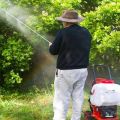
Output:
x=104 y=27
x=15 y=55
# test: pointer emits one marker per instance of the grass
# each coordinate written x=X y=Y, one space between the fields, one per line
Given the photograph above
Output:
x=27 y=106
x=33 y=105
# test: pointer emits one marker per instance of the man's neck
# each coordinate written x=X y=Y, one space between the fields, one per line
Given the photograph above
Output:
x=68 y=25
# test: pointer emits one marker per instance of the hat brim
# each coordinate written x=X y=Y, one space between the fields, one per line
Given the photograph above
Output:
x=80 y=19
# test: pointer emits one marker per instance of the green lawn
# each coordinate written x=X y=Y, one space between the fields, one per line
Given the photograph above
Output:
x=30 y=106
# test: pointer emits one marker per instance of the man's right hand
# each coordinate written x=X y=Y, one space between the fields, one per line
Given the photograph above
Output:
x=50 y=44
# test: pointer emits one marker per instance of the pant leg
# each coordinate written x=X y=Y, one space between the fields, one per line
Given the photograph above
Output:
x=77 y=94
x=61 y=96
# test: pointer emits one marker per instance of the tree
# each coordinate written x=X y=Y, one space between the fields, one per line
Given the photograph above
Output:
x=15 y=55
x=44 y=13
x=104 y=27
x=89 y=5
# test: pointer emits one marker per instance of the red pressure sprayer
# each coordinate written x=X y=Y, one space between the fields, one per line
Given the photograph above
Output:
x=98 y=80
x=102 y=88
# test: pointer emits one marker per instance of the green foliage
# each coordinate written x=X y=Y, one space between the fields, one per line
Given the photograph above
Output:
x=89 y=5
x=12 y=78
x=3 y=4
x=15 y=52
x=15 y=56
x=45 y=12
x=101 y=18
x=104 y=27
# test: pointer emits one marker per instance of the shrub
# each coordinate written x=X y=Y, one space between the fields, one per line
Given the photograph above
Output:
x=15 y=55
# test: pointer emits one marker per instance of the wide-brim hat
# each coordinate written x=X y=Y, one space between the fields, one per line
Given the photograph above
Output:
x=70 y=16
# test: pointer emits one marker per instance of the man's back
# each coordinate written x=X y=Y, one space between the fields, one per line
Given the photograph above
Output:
x=73 y=46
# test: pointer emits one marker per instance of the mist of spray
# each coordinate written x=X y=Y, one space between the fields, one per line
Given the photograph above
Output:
x=17 y=16
x=24 y=28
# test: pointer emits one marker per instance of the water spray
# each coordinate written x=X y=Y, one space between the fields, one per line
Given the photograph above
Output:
x=18 y=20
x=9 y=2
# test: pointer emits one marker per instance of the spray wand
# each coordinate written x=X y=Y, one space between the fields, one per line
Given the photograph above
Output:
x=26 y=26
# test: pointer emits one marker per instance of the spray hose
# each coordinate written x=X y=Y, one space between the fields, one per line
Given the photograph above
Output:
x=26 y=26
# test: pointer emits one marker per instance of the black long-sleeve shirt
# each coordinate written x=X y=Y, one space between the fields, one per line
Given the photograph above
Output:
x=72 y=45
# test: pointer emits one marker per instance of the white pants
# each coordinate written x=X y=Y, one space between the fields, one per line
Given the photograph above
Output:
x=69 y=84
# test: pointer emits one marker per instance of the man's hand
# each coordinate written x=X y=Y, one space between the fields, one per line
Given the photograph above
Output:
x=50 y=44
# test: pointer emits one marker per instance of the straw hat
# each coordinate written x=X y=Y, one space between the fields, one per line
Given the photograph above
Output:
x=70 y=16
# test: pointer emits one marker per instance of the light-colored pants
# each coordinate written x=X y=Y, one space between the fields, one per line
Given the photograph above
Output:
x=69 y=84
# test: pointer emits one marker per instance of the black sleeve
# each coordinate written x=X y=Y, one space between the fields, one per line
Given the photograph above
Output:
x=90 y=37
x=54 y=48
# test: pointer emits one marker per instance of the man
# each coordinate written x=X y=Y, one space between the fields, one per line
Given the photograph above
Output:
x=72 y=45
